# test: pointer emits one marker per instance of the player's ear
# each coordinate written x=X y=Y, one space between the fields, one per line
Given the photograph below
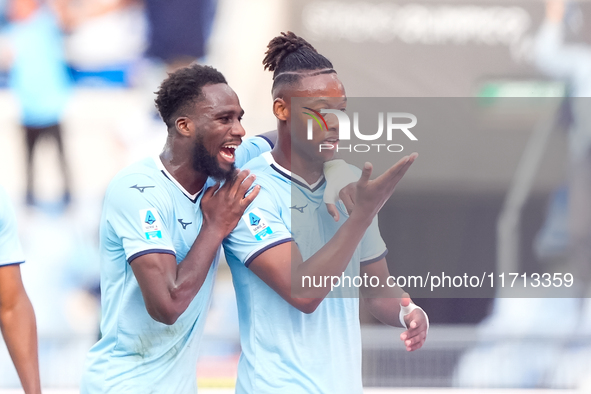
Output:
x=280 y=109
x=184 y=126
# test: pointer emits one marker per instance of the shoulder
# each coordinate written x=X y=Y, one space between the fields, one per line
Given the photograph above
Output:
x=259 y=140
x=250 y=148
x=144 y=170
x=266 y=176
x=257 y=165
x=143 y=178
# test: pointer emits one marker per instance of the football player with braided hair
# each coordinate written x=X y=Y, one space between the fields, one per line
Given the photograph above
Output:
x=298 y=338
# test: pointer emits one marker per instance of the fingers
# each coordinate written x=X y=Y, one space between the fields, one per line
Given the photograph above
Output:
x=416 y=334
x=365 y=174
x=405 y=300
x=245 y=185
x=394 y=174
x=237 y=182
x=411 y=159
x=333 y=211
x=210 y=192
x=415 y=346
x=397 y=168
x=414 y=338
x=347 y=196
x=251 y=196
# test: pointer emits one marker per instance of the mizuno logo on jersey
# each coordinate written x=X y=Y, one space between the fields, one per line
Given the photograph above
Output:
x=300 y=209
x=184 y=224
x=141 y=188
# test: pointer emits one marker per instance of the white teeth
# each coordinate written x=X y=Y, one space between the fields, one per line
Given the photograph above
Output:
x=226 y=155
x=231 y=146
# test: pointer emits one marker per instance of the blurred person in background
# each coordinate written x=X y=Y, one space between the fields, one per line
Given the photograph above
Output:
x=17 y=318
x=567 y=230
x=38 y=76
x=571 y=63
x=102 y=34
x=178 y=30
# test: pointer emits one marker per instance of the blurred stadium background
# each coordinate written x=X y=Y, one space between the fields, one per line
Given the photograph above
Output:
x=427 y=48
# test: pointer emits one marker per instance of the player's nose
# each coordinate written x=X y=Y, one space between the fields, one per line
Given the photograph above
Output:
x=332 y=122
x=237 y=129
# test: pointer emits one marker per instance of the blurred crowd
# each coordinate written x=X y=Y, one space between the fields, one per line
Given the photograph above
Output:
x=46 y=46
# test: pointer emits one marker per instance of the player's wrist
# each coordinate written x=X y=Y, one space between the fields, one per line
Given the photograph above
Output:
x=360 y=218
x=214 y=232
x=406 y=310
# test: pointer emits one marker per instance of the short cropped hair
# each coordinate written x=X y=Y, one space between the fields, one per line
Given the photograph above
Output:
x=182 y=89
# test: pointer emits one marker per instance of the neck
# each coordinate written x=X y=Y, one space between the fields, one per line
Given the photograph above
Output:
x=176 y=158
x=307 y=169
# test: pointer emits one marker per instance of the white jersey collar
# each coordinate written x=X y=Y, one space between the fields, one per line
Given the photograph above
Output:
x=291 y=176
x=160 y=165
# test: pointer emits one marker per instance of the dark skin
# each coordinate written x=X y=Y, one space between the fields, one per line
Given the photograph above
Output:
x=17 y=321
x=295 y=153
x=167 y=287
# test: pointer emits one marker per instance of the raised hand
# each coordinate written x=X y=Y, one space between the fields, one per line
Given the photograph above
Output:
x=222 y=207
x=371 y=195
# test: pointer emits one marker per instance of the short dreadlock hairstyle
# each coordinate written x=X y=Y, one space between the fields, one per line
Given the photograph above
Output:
x=291 y=57
x=182 y=89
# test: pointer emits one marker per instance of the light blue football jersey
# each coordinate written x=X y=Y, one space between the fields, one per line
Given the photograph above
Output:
x=10 y=248
x=285 y=350
x=147 y=211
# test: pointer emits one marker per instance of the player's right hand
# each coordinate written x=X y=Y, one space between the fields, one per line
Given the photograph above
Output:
x=371 y=195
x=222 y=207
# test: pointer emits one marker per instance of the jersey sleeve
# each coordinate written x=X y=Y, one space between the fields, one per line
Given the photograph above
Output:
x=137 y=211
x=373 y=247
x=10 y=247
x=260 y=228
x=250 y=148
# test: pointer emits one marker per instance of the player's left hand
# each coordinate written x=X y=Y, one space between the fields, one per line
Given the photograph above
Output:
x=417 y=322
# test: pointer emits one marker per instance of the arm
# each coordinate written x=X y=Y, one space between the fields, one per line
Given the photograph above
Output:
x=255 y=146
x=168 y=288
x=384 y=303
x=282 y=267
x=17 y=321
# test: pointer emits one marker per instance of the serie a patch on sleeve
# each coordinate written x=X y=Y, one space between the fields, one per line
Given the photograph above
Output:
x=257 y=224
x=151 y=223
